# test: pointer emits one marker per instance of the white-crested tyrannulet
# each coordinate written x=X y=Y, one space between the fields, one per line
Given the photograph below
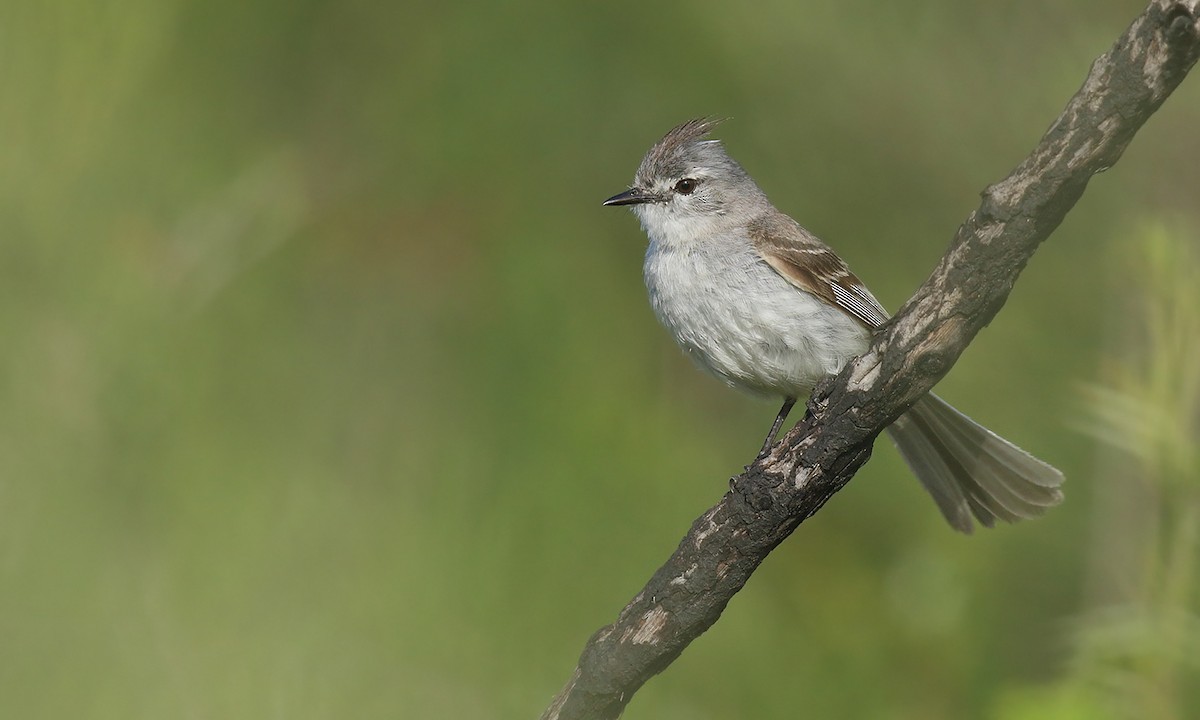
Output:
x=761 y=303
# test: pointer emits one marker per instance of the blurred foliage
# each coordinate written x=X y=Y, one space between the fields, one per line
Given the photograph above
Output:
x=329 y=389
x=1139 y=648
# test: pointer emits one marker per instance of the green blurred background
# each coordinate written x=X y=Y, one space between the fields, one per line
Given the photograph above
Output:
x=330 y=391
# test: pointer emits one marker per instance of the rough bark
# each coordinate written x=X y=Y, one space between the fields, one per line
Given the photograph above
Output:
x=910 y=354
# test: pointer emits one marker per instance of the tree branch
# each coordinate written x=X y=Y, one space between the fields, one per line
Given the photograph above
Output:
x=907 y=357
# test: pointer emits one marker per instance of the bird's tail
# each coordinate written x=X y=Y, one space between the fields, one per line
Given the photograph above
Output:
x=970 y=470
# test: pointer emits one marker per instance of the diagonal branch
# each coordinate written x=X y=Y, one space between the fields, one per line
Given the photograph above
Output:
x=819 y=456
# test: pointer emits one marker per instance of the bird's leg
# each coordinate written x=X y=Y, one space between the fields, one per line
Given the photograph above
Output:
x=783 y=413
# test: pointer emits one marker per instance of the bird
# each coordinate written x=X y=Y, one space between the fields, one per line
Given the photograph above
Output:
x=763 y=304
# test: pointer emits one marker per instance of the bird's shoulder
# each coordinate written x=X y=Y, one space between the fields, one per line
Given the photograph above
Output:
x=812 y=266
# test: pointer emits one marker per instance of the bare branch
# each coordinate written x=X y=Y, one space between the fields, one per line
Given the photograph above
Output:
x=820 y=455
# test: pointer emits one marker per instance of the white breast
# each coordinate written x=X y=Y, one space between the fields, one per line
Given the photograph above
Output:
x=741 y=321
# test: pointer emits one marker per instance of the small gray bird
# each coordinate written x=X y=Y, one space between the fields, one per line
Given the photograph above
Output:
x=760 y=302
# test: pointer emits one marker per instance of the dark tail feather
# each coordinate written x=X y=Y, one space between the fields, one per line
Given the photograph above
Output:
x=970 y=470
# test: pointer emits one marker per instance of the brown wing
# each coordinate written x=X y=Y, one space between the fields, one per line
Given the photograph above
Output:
x=809 y=264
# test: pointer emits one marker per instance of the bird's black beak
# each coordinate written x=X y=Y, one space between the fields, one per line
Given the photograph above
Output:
x=632 y=196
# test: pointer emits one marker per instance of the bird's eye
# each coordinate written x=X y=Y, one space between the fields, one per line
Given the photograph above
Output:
x=686 y=186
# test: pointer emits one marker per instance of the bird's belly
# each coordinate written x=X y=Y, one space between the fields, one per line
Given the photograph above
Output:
x=748 y=326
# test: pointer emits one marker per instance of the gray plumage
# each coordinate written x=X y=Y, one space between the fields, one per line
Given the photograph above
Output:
x=764 y=305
